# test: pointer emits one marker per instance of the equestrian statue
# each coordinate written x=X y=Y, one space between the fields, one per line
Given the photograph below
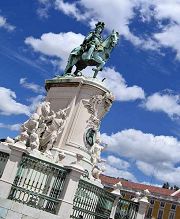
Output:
x=94 y=51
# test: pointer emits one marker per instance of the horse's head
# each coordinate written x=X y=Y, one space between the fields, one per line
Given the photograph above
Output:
x=111 y=41
x=114 y=37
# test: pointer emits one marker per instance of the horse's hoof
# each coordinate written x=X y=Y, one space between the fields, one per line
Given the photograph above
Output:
x=79 y=74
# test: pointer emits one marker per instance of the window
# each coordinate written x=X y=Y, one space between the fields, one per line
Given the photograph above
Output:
x=162 y=204
x=152 y=201
x=171 y=215
x=173 y=207
x=149 y=213
x=160 y=214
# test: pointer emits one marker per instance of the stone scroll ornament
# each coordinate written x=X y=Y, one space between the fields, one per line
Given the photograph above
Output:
x=97 y=106
x=94 y=51
x=40 y=131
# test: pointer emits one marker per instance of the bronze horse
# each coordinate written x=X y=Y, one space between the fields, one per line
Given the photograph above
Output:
x=99 y=57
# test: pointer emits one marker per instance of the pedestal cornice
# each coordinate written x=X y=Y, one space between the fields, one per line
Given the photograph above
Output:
x=70 y=81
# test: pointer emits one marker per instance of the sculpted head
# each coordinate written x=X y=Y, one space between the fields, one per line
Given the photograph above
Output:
x=35 y=116
x=99 y=27
x=45 y=108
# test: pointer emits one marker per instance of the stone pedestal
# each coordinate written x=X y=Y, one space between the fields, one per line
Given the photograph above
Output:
x=86 y=100
x=63 y=131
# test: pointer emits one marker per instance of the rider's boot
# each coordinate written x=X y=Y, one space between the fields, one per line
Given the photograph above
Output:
x=90 y=52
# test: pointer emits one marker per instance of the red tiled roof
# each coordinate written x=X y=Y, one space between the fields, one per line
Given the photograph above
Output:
x=178 y=195
x=107 y=180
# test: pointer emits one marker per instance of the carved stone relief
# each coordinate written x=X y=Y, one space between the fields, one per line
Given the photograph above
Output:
x=97 y=106
x=41 y=130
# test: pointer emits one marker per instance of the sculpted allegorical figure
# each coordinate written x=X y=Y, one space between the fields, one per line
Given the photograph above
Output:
x=97 y=171
x=34 y=140
x=31 y=124
x=96 y=158
x=54 y=126
x=43 y=109
x=27 y=128
x=96 y=151
x=45 y=113
x=41 y=130
x=24 y=137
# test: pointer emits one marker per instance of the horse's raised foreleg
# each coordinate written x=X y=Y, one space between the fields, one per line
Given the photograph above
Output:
x=98 y=68
x=100 y=64
x=72 y=60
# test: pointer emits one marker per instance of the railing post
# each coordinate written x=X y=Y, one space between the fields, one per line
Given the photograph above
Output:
x=143 y=204
x=68 y=193
x=10 y=169
x=117 y=193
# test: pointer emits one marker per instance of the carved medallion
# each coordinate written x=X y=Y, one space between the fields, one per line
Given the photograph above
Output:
x=90 y=137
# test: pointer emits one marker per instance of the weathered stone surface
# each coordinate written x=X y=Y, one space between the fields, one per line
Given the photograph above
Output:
x=32 y=212
x=17 y=207
x=5 y=203
x=26 y=217
x=3 y=212
x=13 y=215
x=46 y=215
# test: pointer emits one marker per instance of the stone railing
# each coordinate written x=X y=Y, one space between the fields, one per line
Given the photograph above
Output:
x=46 y=186
x=91 y=201
x=38 y=184
x=126 y=209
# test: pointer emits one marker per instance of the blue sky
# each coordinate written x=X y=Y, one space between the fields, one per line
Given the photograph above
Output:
x=142 y=128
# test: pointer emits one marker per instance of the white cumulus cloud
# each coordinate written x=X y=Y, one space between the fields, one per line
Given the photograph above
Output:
x=117 y=162
x=9 y=105
x=115 y=172
x=56 y=45
x=153 y=155
x=69 y=9
x=167 y=103
x=117 y=84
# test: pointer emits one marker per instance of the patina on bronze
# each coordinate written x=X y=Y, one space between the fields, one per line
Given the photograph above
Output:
x=94 y=51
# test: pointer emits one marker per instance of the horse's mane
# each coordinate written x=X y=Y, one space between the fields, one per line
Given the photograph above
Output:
x=106 y=40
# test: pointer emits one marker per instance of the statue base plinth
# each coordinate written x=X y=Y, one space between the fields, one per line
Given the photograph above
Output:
x=86 y=100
